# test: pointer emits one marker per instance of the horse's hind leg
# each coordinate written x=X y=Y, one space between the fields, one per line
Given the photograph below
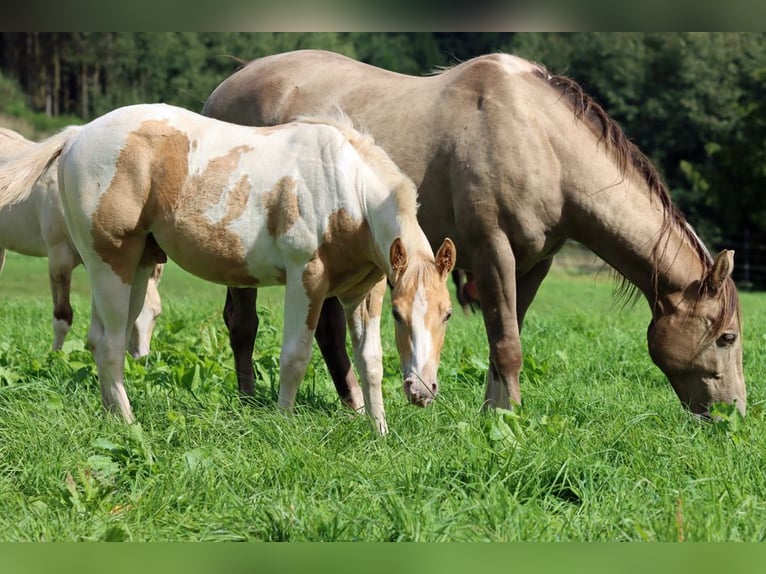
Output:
x=108 y=335
x=143 y=325
x=138 y=306
x=241 y=320
x=62 y=259
x=331 y=339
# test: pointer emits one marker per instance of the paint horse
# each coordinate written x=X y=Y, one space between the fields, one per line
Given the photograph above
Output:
x=510 y=161
x=36 y=227
x=316 y=207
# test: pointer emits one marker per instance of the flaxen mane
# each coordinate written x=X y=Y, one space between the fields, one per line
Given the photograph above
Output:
x=628 y=156
x=401 y=186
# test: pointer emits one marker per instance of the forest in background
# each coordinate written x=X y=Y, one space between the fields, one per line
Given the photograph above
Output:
x=693 y=102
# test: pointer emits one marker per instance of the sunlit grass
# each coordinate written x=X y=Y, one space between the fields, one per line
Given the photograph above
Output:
x=601 y=449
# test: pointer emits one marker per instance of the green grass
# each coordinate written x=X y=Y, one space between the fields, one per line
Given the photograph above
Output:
x=601 y=449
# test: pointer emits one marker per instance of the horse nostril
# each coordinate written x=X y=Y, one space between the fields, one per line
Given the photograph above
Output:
x=434 y=387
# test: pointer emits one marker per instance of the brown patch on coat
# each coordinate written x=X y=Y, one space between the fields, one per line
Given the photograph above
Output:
x=343 y=264
x=149 y=173
x=281 y=205
x=220 y=250
x=151 y=191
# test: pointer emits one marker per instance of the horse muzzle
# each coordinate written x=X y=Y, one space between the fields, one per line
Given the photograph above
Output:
x=420 y=393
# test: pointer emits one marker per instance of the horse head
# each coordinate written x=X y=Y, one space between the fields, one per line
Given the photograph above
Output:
x=421 y=306
x=698 y=344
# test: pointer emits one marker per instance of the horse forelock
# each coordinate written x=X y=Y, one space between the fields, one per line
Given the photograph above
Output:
x=420 y=271
x=629 y=156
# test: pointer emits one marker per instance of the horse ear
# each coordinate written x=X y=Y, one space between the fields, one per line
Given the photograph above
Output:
x=446 y=257
x=398 y=257
x=722 y=268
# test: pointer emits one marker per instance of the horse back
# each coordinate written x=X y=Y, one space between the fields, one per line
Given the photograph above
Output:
x=461 y=135
x=228 y=203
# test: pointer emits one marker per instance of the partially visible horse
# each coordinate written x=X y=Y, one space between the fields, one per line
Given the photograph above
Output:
x=36 y=227
x=465 y=290
x=318 y=208
x=510 y=161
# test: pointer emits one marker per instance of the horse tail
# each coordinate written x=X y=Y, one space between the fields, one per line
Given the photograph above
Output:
x=13 y=136
x=20 y=171
x=2 y=258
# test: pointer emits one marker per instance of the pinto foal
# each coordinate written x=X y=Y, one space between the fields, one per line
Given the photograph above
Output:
x=318 y=208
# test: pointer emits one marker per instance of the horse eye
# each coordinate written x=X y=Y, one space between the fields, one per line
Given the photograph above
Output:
x=448 y=316
x=396 y=314
x=726 y=339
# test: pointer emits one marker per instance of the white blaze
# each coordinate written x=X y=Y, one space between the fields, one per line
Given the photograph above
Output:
x=421 y=336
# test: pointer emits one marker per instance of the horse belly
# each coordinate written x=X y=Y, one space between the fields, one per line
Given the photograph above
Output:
x=240 y=254
x=20 y=230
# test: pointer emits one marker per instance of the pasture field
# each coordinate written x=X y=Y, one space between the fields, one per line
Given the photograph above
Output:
x=600 y=451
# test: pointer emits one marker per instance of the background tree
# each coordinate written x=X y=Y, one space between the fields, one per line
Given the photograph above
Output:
x=693 y=102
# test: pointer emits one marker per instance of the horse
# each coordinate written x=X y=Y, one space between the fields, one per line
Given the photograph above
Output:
x=465 y=291
x=36 y=227
x=315 y=206
x=511 y=161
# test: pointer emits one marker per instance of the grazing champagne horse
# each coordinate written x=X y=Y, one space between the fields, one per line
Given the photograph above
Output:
x=318 y=208
x=511 y=161
x=36 y=227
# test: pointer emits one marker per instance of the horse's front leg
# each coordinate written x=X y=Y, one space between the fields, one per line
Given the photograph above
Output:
x=241 y=318
x=331 y=339
x=305 y=291
x=496 y=283
x=364 y=325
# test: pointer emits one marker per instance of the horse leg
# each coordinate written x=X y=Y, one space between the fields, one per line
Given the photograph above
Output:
x=527 y=286
x=364 y=325
x=143 y=326
x=61 y=261
x=139 y=295
x=302 y=307
x=331 y=339
x=496 y=283
x=241 y=319
x=107 y=338
x=457 y=278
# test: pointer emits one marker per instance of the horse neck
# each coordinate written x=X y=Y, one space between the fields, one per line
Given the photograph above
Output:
x=388 y=219
x=628 y=227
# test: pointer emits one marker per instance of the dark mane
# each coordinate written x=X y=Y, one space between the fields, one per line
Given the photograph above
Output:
x=628 y=156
